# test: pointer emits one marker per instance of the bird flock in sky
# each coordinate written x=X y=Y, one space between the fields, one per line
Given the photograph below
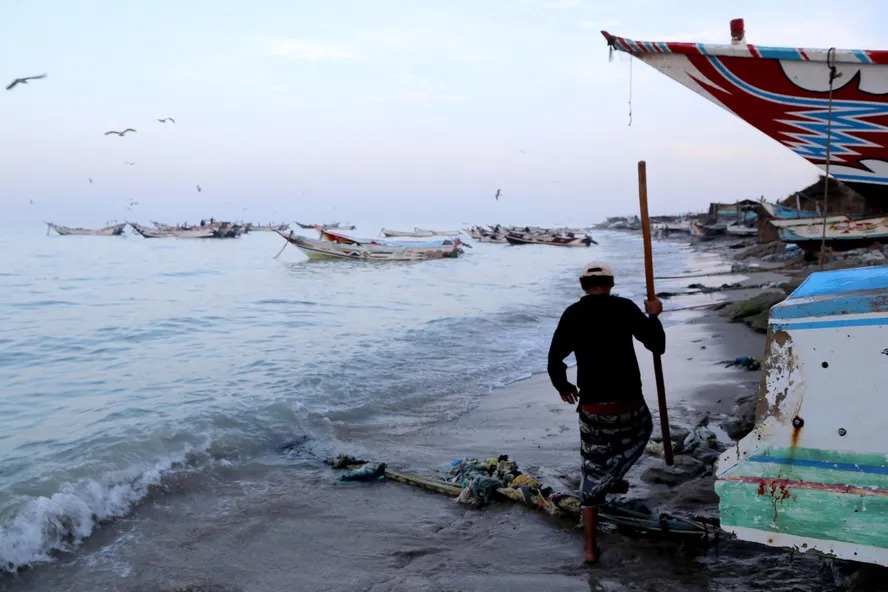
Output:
x=120 y=133
x=124 y=132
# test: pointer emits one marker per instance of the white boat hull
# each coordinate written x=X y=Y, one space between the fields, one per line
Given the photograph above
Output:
x=405 y=233
x=113 y=230
x=739 y=230
x=787 y=222
x=813 y=474
x=840 y=236
x=438 y=232
x=318 y=249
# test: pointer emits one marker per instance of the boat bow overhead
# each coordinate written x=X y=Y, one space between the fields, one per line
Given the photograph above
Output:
x=806 y=99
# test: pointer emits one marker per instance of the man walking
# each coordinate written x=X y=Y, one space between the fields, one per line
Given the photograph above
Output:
x=615 y=423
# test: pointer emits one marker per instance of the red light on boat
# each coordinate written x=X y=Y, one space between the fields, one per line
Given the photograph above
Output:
x=738 y=30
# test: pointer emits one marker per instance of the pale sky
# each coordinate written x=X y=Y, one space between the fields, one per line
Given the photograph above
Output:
x=401 y=112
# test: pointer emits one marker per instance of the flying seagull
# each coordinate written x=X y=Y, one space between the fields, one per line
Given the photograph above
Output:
x=23 y=80
x=129 y=163
x=199 y=189
x=90 y=179
x=498 y=191
x=129 y=129
x=165 y=119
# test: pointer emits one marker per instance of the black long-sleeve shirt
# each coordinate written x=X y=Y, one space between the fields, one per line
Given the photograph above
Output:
x=599 y=329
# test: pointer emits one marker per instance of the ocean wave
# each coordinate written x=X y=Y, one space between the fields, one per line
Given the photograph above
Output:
x=44 y=526
x=44 y=303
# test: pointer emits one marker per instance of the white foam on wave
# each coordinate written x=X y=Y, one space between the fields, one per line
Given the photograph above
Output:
x=44 y=525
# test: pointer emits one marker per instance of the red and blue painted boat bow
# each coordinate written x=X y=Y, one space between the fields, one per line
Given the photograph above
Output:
x=785 y=92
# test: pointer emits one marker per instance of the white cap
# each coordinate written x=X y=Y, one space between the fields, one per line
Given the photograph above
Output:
x=596 y=269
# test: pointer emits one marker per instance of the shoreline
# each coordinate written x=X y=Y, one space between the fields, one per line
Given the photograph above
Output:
x=264 y=526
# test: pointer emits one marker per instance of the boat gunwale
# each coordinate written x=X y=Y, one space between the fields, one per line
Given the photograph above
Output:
x=746 y=50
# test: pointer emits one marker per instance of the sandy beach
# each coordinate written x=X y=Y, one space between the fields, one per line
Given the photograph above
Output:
x=264 y=526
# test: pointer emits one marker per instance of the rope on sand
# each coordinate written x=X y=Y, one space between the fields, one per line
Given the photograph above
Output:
x=619 y=515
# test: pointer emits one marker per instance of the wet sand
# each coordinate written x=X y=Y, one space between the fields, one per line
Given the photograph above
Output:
x=283 y=523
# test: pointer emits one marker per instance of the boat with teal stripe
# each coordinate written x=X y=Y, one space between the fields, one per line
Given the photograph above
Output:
x=813 y=474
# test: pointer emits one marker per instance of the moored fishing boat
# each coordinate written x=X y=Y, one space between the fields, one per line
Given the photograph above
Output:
x=678 y=226
x=781 y=212
x=742 y=229
x=517 y=238
x=112 y=230
x=269 y=227
x=839 y=236
x=319 y=249
x=813 y=474
x=214 y=230
x=336 y=225
x=492 y=234
x=438 y=232
x=406 y=233
x=337 y=237
x=707 y=231
x=789 y=222
x=173 y=232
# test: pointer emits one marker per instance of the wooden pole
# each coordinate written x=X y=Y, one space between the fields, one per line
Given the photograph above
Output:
x=651 y=294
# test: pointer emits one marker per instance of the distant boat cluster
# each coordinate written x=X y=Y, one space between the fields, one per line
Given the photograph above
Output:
x=211 y=228
x=429 y=244
x=332 y=242
x=796 y=220
x=532 y=235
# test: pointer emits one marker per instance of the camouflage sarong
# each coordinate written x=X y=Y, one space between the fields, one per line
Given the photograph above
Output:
x=610 y=444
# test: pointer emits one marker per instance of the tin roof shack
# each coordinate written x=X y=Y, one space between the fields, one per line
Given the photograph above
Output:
x=813 y=474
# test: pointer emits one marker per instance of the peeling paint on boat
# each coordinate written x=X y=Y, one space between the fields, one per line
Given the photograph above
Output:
x=813 y=473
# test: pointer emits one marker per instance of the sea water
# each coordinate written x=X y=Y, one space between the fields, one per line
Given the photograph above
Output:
x=125 y=360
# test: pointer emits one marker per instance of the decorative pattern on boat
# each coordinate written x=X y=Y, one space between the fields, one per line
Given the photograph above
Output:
x=784 y=92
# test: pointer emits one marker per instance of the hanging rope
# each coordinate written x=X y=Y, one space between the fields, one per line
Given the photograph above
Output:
x=630 y=90
x=831 y=64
